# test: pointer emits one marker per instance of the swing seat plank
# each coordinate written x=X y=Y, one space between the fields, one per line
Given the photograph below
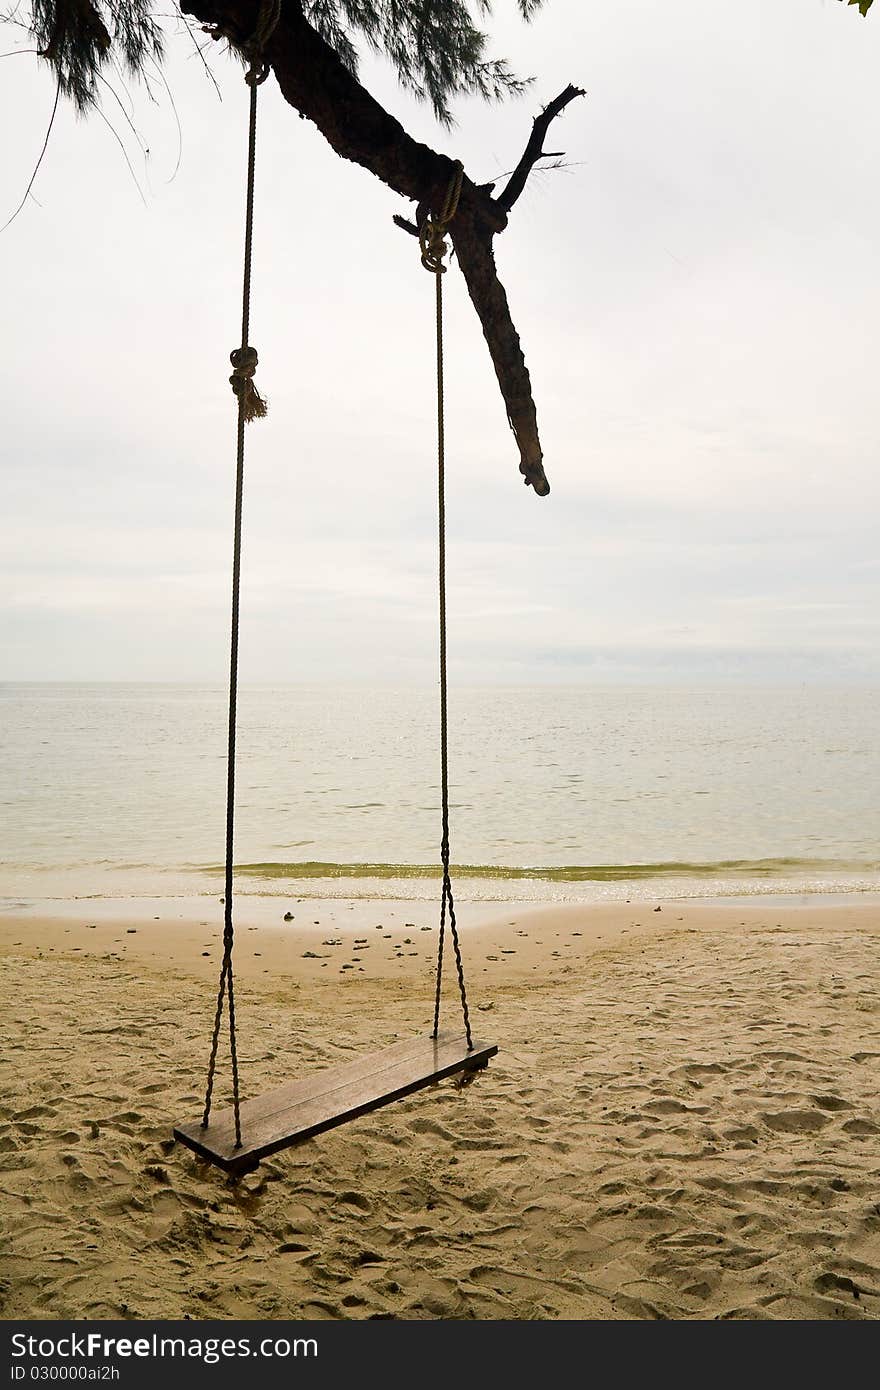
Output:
x=297 y=1110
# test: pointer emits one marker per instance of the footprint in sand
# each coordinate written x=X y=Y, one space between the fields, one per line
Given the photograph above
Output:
x=696 y=1069
x=669 y=1106
x=796 y=1121
x=834 y=1283
x=742 y=1135
x=861 y=1128
x=355 y=1199
x=831 y=1103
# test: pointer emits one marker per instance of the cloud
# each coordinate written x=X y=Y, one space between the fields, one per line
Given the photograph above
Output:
x=697 y=300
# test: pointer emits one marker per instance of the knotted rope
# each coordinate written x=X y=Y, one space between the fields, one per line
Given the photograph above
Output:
x=432 y=233
x=432 y=240
x=251 y=406
x=244 y=359
x=254 y=47
x=244 y=364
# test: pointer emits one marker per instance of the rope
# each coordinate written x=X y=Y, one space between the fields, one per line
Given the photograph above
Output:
x=244 y=359
x=432 y=240
x=432 y=234
x=251 y=406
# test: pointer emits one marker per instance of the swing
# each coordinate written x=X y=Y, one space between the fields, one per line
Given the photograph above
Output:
x=237 y=1139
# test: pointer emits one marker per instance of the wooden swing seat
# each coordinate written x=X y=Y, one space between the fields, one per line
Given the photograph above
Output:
x=297 y=1110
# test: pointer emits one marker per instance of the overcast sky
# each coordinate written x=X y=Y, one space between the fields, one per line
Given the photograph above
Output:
x=698 y=297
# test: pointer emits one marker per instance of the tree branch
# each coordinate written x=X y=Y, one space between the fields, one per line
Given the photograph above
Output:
x=316 y=83
x=535 y=147
x=477 y=261
x=405 y=225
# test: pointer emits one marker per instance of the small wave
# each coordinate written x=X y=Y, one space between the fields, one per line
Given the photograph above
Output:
x=565 y=873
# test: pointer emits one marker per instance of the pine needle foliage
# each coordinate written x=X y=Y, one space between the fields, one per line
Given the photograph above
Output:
x=79 y=37
x=436 y=46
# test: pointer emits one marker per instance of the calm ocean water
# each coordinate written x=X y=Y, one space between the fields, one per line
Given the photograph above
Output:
x=572 y=792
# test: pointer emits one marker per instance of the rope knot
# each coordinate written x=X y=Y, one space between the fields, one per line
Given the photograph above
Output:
x=432 y=240
x=257 y=72
x=432 y=234
x=267 y=20
x=244 y=364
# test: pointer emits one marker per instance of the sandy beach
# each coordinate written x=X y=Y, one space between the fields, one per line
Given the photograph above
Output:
x=683 y=1119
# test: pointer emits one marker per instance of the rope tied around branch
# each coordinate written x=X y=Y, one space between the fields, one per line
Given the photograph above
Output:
x=253 y=48
x=432 y=233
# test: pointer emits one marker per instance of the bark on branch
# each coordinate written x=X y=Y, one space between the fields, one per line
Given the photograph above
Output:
x=314 y=81
x=477 y=261
x=535 y=147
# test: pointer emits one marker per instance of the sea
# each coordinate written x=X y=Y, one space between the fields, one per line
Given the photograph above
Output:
x=564 y=794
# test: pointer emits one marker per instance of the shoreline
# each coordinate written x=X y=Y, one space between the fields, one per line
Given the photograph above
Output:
x=391 y=938
x=41 y=893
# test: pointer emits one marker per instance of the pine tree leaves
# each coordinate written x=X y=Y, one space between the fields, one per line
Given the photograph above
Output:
x=77 y=38
x=434 y=45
